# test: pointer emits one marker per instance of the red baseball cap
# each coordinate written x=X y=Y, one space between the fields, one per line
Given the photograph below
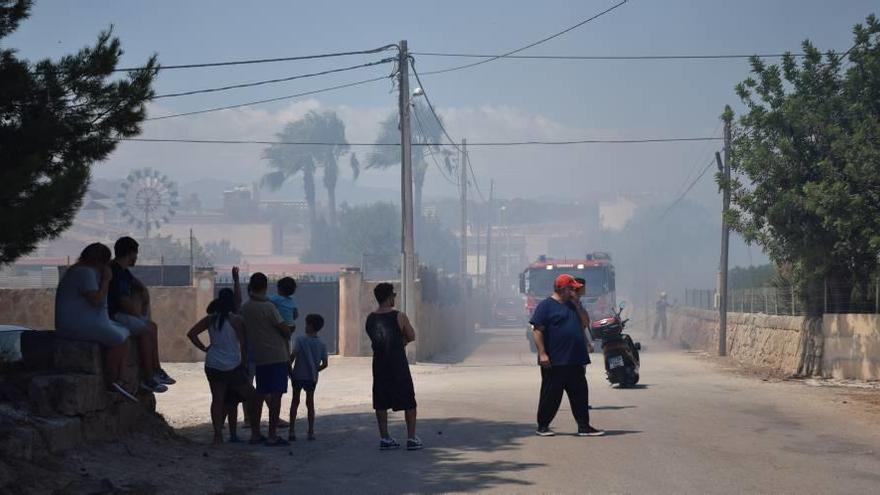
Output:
x=566 y=280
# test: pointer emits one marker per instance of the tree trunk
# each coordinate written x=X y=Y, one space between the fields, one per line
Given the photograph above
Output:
x=331 y=175
x=309 y=186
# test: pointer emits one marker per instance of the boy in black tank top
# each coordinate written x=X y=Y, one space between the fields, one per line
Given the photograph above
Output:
x=390 y=331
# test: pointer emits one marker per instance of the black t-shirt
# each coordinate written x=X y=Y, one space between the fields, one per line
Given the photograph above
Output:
x=120 y=286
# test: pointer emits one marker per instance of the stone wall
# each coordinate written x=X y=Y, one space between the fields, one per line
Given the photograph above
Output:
x=438 y=328
x=174 y=309
x=31 y=308
x=56 y=399
x=848 y=347
x=760 y=341
x=852 y=347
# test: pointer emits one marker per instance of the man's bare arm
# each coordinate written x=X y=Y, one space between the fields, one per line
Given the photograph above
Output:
x=409 y=333
x=538 y=335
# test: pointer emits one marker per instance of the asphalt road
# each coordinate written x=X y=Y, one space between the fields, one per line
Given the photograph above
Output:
x=692 y=427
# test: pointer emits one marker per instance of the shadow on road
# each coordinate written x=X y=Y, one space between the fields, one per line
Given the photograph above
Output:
x=611 y=408
x=460 y=454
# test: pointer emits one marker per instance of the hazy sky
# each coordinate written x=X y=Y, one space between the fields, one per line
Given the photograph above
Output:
x=502 y=100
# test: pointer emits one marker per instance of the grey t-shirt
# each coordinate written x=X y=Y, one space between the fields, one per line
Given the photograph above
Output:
x=309 y=352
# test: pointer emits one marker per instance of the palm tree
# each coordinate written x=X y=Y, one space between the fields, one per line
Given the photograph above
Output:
x=290 y=160
x=425 y=129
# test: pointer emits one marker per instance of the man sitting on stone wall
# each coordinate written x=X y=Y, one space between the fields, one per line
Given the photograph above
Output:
x=128 y=303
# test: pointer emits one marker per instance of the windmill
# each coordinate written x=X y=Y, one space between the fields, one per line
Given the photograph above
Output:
x=147 y=199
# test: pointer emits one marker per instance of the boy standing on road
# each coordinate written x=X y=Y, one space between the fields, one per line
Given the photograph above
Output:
x=310 y=358
x=267 y=337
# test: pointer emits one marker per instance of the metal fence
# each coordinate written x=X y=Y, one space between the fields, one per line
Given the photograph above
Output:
x=831 y=298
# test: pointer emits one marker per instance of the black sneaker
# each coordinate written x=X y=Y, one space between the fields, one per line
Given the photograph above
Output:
x=388 y=444
x=414 y=443
x=589 y=431
x=164 y=378
x=150 y=384
x=545 y=431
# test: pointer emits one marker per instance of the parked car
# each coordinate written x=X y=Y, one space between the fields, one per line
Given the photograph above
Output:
x=509 y=312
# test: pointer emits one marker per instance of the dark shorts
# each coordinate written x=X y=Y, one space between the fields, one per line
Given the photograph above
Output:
x=272 y=378
x=233 y=378
x=307 y=385
x=393 y=390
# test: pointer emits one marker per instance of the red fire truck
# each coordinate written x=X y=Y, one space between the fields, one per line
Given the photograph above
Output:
x=536 y=282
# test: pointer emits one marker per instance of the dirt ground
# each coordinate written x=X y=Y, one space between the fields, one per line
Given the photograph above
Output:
x=699 y=424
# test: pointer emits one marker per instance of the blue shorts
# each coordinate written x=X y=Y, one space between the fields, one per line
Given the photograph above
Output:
x=307 y=385
x=272 y=378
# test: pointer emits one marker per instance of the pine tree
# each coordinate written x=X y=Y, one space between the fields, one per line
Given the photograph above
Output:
x=57 y=120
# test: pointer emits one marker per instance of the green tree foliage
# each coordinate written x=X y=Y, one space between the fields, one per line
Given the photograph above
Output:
x=374 y=230
x=223 y=252
x=170 y=251
x=752 y=277
x=57 y=119
x=288 y=161
x=424 y=129
x=806 y=159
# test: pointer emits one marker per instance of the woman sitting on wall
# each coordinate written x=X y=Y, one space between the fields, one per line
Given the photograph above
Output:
x=81 y=311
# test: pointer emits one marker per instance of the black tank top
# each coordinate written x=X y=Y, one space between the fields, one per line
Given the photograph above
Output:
x=387 y=339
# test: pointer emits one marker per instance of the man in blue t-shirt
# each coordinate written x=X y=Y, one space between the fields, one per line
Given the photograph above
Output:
x=559 y=324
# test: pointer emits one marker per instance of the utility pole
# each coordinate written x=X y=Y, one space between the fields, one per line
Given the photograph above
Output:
x=489 y=258
x=725 y=242
x=407 y=245
x=462 y=178
x=192 y=270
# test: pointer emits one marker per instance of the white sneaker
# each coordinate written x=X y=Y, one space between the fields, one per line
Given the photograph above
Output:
x=119 y=388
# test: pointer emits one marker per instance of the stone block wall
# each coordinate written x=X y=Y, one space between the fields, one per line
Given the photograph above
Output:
x=438 y=328
x=754 y=340
x=174 y=309
x=31 y=308
x=852 y=346
x=48 y=407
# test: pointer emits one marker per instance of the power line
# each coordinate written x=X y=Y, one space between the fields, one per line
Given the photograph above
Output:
x=431 y=152
x=530 y=45
x=261 y=60
x=274 y=81
x=270 y=100
x=431 y=106
x=467 y=157
x=700 y=161
x=481 y=144
x=608 y=57
x=686 y=191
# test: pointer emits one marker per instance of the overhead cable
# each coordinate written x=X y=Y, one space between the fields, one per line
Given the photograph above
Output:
x=608 y=57
x=686 y=191
x=430 y=151
x=270 y=100
x=530 y=45
x=261 y=60
x=467 y=157
x=431 y=106
x=274 y=81
x=470 y=144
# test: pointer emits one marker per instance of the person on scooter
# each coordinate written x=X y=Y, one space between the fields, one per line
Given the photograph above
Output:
x=559 y=324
